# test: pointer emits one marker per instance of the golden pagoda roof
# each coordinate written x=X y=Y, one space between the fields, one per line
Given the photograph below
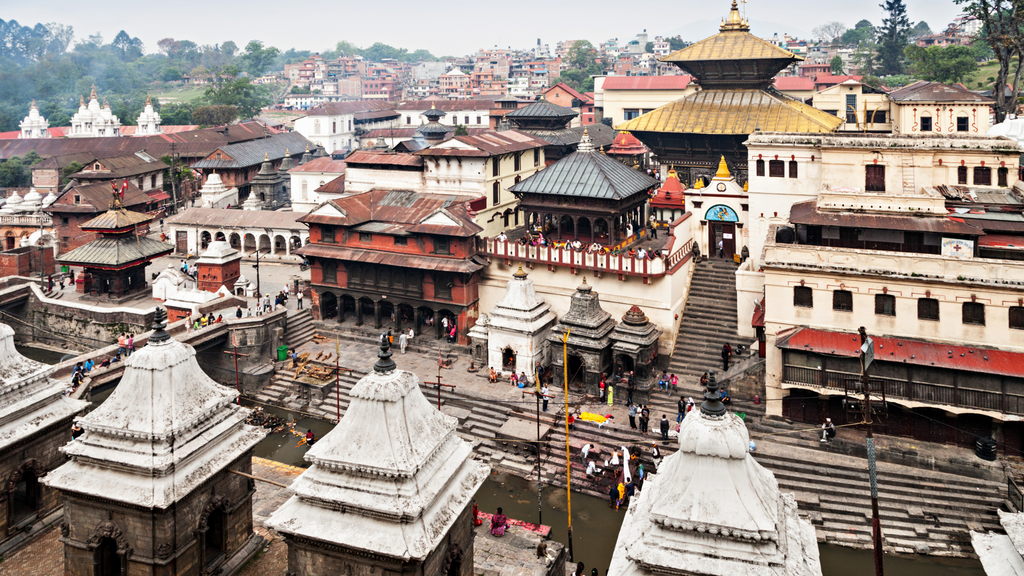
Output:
x=731 y=45
x=734 y=111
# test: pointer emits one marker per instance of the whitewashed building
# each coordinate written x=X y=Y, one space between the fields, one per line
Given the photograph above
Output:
x=148 y=121
x=517 y=328
x=34 y=125
x=93 y=120
x=309 y=178
x=336 y=126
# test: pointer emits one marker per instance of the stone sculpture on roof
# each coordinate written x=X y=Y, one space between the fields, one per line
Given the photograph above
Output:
x=149 y=487
x=712 y=510
x=390 y=487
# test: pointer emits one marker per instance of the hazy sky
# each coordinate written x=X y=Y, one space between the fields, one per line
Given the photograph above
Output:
x=445 y=27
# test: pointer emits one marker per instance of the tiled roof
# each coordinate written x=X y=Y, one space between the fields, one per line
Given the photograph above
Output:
x=115 y=252
x=97 y=197
x=252 y=153
x=784 y=83
x=407 y=211
x=737 y=111
x=446 y=105
x=936 y=92
x=336 y=186
x=389 y=158
x=600 y=135
x=375 y=115
x=122 y=167
x=324 y=164
x=238 y=218
x=570 y=91
x=542 y=109
x=422 y=262
x=489 y=143
x=679 y=82
x=587 y=175
x=340 y=108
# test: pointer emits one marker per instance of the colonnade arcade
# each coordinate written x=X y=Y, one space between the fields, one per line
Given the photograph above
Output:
x=277 y=243
x=383 y=313
x=603 y=229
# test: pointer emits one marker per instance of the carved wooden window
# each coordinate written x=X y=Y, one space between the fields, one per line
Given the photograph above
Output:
x=927 y=309
x=1017 y=317
x=982 y=176
x=803 y=297
x=776 y=169
x=842 y=300
x=760 y=168
x=874 y=178
x=974 y=313
x=885 y=304
x=330 y=272
x=961 y=175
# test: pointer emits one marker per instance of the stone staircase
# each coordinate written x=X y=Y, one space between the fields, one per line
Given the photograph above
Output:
x=300 y=328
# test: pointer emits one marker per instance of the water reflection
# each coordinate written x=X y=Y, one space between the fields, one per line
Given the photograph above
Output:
x=288 y=446
x=44 y=355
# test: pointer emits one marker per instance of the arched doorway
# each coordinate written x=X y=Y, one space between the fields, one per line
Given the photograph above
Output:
x=425 y=320
x=348 y=307
x=219 y=237
x=583 y=229
x=264 y=244
x=601 y=230
x=508 y=360
x=204 y=240
x=387 y=314
x=24 y=495
x=279 y=245
x=295 y=242
x=566 y=227
x=235 y=241
x=106 y=560
x=625 y=362
x=446 y=321
x=215 y=540
x=250 y=243
x=575 y=368
x=406 y=315
x=328 y=305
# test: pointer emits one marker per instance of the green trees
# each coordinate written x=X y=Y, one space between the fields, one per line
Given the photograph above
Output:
x=836 y=65
x=583 y=65
x=247 y=98
x=938 y=64
x=893 y=36
x=16 y=172
x=1002 y=26
x=256 y=59
x=214 y=115
x=862 y=32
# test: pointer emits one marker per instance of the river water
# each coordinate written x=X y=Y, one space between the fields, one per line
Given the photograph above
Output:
x=595 y=523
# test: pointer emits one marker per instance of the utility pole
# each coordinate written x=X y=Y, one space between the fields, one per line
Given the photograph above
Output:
x=174 y=179
x=568 y=462
x=257 y=273
x=438 y=383
x=867 y=356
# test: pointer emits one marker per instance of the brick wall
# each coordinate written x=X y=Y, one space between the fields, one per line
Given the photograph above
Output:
x=25 y=262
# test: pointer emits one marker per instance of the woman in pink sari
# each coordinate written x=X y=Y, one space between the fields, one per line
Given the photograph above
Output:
x=498 y=524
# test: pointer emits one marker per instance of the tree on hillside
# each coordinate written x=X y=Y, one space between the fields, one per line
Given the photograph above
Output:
x=677 y=43
x=229 y=48
x=865 y=59
x=836 y=65
x=128 y=48
x=256 y=59
x=920 y=29
x=583 y=64
x=863 y=31
x=893 y=36
x=1002 y=25
x=248 y=98
x=829 y=31
x=214 y=115
x=941 y=64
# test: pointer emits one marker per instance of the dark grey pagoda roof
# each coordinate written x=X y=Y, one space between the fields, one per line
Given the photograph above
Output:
x=253 y=152
x=600 y=135
x=588 y=324
x=434 y=128
x=115 y=251
x=634 y=333
x=587 y=174
x=433 y=114
x=542 y=109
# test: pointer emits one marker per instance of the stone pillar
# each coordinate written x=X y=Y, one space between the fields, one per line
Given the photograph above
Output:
x=359 y=313
x=376 y=314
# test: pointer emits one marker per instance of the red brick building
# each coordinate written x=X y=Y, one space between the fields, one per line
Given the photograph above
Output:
x=219 y=266
x=83 y=202
x=395 y=259
x=24 y=261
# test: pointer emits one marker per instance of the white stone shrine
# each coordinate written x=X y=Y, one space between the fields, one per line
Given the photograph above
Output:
x=712 y=510
x=390 y=487
x=149 y=120
x=169 y=282
x=93 y=120
x=517 y=328
x=34 y=125
x=214 y=194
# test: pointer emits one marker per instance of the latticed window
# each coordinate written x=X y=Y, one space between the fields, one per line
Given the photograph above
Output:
x=776 y=169
x=842 y=300
x=330 y=273
x=885 y=304
x=927 y=309
x=793 y=173
x=760 y=167
x=1017 y=317
x=982 y=176
x=803 y=297
x=974 y=313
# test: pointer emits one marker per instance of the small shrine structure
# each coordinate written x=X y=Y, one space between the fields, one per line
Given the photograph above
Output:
x=35 y=420
x=669 y=203
x=518 y=328
x=115 y=263
x=271 y=188
x=157 y=483
x=219 y=266
x=635 y=348
x=712 y=510
x=148 y=123
x=388 y=491
x=588 y=350
x=585 y=196
x=214 y=194
x=628 y=150
x=34 y=125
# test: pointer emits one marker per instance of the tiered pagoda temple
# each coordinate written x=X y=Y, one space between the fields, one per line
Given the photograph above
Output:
x=735 y=70
x=151 y=486
x=635 y=348
x=585 y=196
x=388 y=491
x=670 y=201
x=588 y=349
x=115 y=263
x=550 y=122
x=628 y=150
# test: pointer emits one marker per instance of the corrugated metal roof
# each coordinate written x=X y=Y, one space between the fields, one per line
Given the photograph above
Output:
x=806 y=212
x=252 y=153
x=734 y=111
x=679 y=82
x=906 y=351
x=116 y=220
x=114 y=252
x=922 y=91
x=587 y=175
x=459 y=265
x=368 y=157
x=489 y=143
x=375 y=115
x=408 y=211
x=731 y=45
x=1003 y=241
x=97 y=197
x=336 y=186
x=542 y=109
x=324 y=164
x=600 y=135
x=340 y=108
x=238 y=218
x=783 y=83
x=447 y=105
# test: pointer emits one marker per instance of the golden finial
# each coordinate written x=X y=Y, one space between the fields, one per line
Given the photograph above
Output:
x=734 y=21
x=105 y=103
x=602 y=150
x=33 y=107
x=723 y=170
x=287 y=153
x=92 y=96
x=584 y=280
x=307 y=147
x=81 y=100
x=520 y=273
x=585 y=134
x=699 y=185
x=266 y=157
x=149 y=100
x=432 y=107
x=746 y=186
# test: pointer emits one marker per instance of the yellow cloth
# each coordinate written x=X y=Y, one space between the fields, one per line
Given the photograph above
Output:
x=593 y=417
x=622 y=491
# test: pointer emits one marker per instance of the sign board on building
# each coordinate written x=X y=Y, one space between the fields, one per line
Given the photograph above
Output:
x=957 y=248
x=867 y=351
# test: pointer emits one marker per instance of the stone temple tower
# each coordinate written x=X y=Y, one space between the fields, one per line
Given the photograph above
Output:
x=388 y=491
x=150 y=487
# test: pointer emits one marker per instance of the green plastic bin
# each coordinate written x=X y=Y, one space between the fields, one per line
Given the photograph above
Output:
x=282 y=353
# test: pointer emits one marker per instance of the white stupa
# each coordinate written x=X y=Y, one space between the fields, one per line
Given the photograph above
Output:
x=390 y=480
x=34 y=125
x=214 y=194
x=13 y=204
x=148 y=121
x=520 y=323
x=712 y=510
x=165 y=430
x=93 y=120
x=30 y=401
